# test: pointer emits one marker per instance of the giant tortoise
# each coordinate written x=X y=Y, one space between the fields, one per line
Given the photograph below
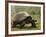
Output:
x=23 y=18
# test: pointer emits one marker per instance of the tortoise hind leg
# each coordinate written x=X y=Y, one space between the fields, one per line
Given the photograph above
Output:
x=14 y=24
x=22 y=25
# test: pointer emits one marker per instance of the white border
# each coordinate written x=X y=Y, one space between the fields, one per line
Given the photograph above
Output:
x=19 y=32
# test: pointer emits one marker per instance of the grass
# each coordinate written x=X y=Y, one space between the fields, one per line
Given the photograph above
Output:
x=28 y=26
x=33 y=11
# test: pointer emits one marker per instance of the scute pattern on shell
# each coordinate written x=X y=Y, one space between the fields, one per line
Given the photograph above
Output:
x=21 y=15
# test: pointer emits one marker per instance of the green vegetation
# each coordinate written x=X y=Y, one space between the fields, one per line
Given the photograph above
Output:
x=33 y=11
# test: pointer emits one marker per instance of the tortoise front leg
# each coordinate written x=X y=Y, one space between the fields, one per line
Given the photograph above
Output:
x=33 y=24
